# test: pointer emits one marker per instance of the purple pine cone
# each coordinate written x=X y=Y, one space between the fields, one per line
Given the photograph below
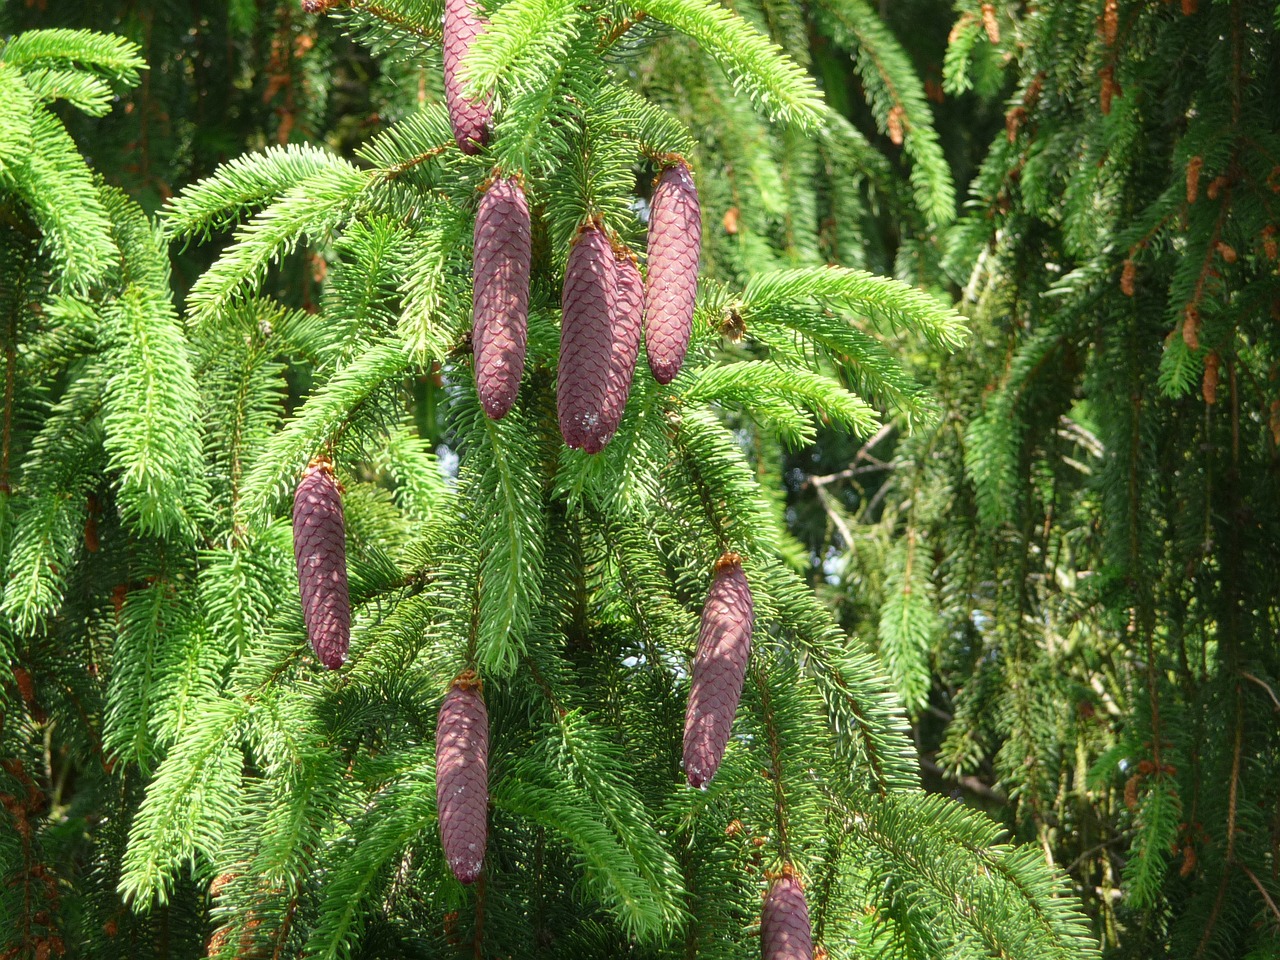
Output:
x=675 y=242
x=500 y=259
x=719 y=667
x=462 y=776
x=470 y=118
x=785 y=933
x=587 y=306
x=320 y=547
x=625 y=342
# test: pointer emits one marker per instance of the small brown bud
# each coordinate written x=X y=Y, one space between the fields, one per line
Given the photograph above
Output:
x=1127 y=276
x=1226 y=251
x=1209 y=386
x=1109 y=88
x=91 y=525
x=1189 y=860
x=894 y=125
x=1194 y=166
x=1191 y=326
x=1131 y=792
x=733 y=326
x=1110 y=21
x=990 y=23
x=1034 y=89
x=1012 y=121
x=26 y=686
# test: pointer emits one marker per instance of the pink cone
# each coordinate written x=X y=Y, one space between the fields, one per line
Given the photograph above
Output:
x=462 y=776
x=470 y=119
x=675 y=243
x=785 y=933
x=586 y=341
x=500 y=310
x=719 y=668
x=320 y=548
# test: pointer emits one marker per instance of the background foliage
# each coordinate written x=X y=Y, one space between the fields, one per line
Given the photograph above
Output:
x=1059 y=548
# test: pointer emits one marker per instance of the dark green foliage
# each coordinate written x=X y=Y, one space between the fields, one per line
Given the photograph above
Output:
x=1073 y=579
x=190 y=778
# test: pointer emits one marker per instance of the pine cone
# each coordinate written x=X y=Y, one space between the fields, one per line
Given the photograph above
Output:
x=719 y=666
x=784 y=921
x=320 y=547
x=462 y=776
x=501 y=294
x=625 y=341
x=675 y=240
x=586 y=341
x=470 y=118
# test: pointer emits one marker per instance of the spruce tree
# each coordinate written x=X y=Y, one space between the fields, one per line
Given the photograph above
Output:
x=248 y=802
x=1072 y=579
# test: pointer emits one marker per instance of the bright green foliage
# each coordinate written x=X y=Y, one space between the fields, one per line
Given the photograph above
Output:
x=256 y=804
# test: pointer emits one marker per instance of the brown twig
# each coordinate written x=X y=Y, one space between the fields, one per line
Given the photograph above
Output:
x=775 y=762
x=853 y=469
x=477 y=942
x=1261 y=889
x=619 y=29
x=1271 y=693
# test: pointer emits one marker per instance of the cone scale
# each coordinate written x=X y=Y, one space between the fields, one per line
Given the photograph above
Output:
x=675 y=243
x=462 y=776
x=719 y=668
x=785 y=933
x=588 y=302
x=500 y=312
x=470 y=118
x=320 y=549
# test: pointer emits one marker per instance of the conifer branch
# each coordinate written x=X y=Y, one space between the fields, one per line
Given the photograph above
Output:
x=754 y=62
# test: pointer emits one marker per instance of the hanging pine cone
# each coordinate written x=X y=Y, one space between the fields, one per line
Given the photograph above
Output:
x=675 y=242
x=586 y=341
x=784 y=920
x=470 y=118
x=320 y=547
x=719 y=667
x=462 y=776
x=625 y=335
x=501 y=294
